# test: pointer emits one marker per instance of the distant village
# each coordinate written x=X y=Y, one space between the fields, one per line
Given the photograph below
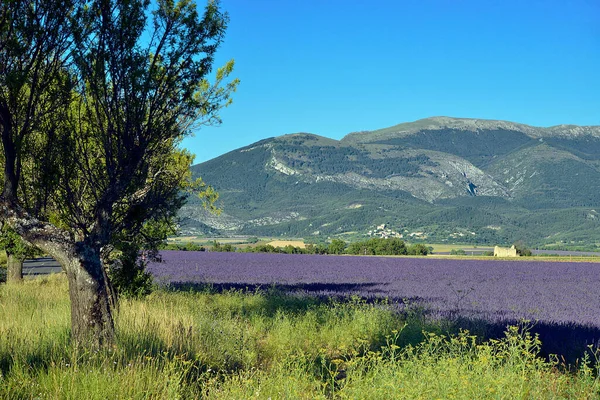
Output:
x=383 y=231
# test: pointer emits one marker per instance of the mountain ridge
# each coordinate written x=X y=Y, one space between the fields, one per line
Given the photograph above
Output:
x=414 y=176
x=443 y=122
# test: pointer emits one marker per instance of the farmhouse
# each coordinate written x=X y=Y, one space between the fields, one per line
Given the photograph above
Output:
x=505 y=251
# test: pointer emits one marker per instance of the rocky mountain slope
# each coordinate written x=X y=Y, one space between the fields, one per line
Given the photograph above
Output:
x=442 y=178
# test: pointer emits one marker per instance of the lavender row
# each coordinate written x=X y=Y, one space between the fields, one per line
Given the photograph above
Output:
x=553 y=292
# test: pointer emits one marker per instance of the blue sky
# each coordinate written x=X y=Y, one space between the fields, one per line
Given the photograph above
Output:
x=332 y=67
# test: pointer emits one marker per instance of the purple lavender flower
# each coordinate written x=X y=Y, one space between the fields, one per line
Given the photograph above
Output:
x=496 y=291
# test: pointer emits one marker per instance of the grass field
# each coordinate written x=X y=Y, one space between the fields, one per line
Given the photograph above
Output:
x=263 y=345
x=283 y=243
x=449 y=247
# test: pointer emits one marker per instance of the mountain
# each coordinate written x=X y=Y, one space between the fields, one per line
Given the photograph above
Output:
x=440 y=178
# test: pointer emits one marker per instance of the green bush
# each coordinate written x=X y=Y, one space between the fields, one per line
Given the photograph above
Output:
x=128 y=273
x=522 y=250
x=418 y=250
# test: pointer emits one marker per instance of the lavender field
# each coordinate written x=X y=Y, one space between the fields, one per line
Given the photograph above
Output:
x=495 y=291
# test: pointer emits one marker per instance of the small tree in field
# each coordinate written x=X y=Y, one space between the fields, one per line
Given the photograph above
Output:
x=418 y=249
x=17 y=250
x=105 y=90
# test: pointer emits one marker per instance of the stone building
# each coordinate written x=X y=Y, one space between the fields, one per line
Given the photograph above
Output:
x=505 y=251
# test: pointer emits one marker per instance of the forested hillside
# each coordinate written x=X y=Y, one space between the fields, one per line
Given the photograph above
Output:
x=442 y=179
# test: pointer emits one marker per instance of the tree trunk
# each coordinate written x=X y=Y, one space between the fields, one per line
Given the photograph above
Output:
x=92 y=323
x=10 y=155
x=14 y=269
x=113 y=296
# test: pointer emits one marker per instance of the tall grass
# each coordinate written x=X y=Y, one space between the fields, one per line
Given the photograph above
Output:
x=3 y=262
x=263 y=345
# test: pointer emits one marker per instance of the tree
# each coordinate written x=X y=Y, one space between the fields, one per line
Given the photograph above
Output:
x=418 y=249
x=336 y=246
x=17 y=250
x=125 y=93
x=391 y=246
x=316 y=248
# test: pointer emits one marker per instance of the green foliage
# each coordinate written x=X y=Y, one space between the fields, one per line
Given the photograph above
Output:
x=14 y=245
x=418 y=249
x=261 y=248
x=128 y=274
x=522 y=250
x=378 y=246
x=224 y=248
x=189 y=246
x=96 y=98
x=583 y=147
x=458 y=252
x=287 y=249
x=336 y=246
x=342 y=159
x=564 y=183
x=479 y=147
x=318 y=248
x=130 y=253
x=267 y=344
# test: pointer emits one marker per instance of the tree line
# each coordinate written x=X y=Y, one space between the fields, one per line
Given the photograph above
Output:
x=373 y=246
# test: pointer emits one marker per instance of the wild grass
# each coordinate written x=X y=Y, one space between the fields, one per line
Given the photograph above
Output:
x=236 y=345
x=3 y=258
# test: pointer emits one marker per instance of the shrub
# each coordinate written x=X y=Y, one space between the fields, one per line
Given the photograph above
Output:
x=225 y=248
x=128 y=273
x=418 y=250
x=458 y=252
x=522 y=250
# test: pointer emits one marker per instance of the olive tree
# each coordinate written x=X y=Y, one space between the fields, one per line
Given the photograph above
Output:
x=124 y=85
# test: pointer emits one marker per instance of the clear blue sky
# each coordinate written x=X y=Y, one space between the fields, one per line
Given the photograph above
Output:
x=331 y=67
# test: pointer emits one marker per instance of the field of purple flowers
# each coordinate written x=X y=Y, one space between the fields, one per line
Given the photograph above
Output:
x=490 y=290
